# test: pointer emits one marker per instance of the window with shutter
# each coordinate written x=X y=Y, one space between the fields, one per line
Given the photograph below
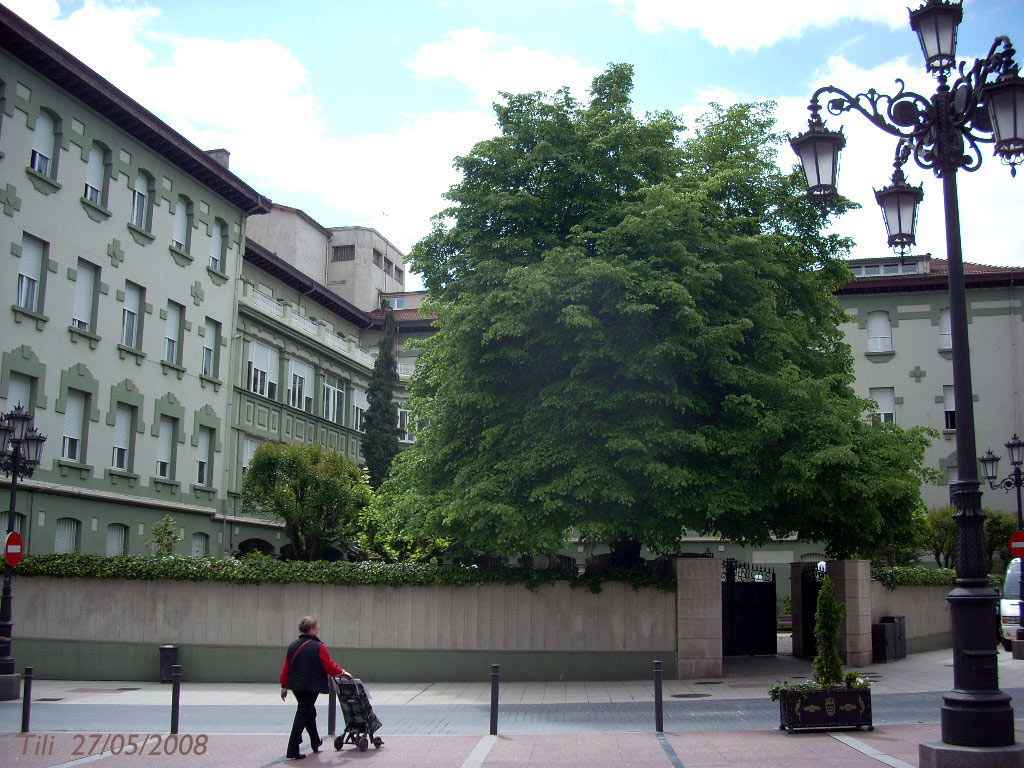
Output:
x=30 y=273
x=74 y=420
x=66 y=538
x=949 y=406
x=211 y=343
x=117 y=539
x=204 y=457
x=165 y=448
x=140 y=202
x=131 y=335
x=43 y=145
x=300 y=381
x=879 y=332
x=200 y=545
x=121 y=458
x=248 y=449
x=945 y=330
x=19 y=392
x=172 y=333
x=217 y=246
x=95 y=173
x=886 y=399
x=359 y=407
x=85 y=296
x=180 y=228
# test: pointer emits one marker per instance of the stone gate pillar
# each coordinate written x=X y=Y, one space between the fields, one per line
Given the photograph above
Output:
x=853 y=587
x=699 y=617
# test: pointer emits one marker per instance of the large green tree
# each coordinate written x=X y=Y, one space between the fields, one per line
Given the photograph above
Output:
x=318 y=493
x=380 y=423
x=638 y=336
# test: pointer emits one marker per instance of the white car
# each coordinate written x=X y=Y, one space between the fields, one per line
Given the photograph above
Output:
x=1009 y=605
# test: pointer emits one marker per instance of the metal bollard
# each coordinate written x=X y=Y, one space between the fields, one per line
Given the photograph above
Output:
x=332 y=707
x=175 y=695
x=495 y=679
x=659 y=709
x=26 y=700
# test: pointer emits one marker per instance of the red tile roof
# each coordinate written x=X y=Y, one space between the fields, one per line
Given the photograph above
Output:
x=975 y=276
x=402 y=315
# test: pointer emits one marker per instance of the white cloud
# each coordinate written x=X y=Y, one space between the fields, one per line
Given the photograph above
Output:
x=754 y=24
x=989 y=199
x=488 y=64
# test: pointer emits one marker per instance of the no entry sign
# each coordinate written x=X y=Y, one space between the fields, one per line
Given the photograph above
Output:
x=1017 y=544
x=13 y=548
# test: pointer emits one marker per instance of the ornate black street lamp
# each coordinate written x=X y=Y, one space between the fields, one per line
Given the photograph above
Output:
x=984 y=104
x=990 y=466
x=20 y=449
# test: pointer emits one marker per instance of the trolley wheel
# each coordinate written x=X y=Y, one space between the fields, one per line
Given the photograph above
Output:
x=378 y=742
x=339 y=741
x=362 y=743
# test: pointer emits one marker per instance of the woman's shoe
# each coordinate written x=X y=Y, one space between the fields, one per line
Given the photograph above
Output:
x=316 y=747
x=299 y=756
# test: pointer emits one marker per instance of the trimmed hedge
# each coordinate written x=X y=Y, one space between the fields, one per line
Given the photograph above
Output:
x=269 y=571
x=919 y=576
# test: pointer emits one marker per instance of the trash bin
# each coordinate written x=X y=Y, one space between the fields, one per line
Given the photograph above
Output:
x=883 y=642
x=168 y=658
x=900 y=622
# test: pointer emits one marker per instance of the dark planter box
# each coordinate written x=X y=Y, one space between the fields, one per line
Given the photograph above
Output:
x=826 y=710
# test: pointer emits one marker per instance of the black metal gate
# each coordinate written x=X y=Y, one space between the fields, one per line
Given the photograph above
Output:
x=748 y=610
x=810 y=584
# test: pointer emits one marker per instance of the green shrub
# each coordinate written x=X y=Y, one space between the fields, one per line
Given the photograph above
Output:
x=257 y=570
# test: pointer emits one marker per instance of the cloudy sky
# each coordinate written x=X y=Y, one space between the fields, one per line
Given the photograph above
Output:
x=353 y=109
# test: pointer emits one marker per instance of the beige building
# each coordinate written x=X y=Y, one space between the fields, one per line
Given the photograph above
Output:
x=899 y=335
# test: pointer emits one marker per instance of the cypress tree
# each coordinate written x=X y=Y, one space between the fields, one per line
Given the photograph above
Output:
x=380 y=441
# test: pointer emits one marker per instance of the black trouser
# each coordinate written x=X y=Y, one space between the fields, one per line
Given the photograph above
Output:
x=305 y=718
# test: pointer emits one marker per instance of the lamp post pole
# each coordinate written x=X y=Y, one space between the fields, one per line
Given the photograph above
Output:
x=985 y=104
x=20 y=448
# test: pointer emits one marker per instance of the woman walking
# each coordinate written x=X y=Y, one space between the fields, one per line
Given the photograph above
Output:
x=307 y=663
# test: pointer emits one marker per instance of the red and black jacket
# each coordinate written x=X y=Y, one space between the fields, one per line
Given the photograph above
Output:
x=307 y=663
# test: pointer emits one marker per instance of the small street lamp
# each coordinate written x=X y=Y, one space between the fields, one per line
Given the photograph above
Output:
x=21 y=447
x=943 y=133
x=990 y=466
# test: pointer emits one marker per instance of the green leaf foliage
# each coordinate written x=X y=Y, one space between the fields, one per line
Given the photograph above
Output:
x=380 y=423
x=940 y=536
x=638 y=336
x=318 y=493
x=913 y=576
x=265 y=570
x=163 y=537
x=828 y=621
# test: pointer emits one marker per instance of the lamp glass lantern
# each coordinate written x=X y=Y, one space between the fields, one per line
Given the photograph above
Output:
x=32 y=448
x=989 y=465
x=1004 y=100
x=818 y=149
x=936 y=24
x=20 y=421
x=6 y=433
x=1016 y=450
x=899 y=202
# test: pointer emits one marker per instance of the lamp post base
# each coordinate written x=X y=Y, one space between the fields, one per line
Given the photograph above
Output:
x=10 y=687
x=937 y=754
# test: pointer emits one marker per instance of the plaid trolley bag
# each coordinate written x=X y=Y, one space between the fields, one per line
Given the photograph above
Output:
x=360 y=722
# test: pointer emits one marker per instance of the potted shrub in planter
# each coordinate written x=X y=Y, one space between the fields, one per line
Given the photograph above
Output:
x=828 y=700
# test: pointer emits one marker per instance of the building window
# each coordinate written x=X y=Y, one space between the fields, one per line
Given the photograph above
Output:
x=83 y=310
x=886 y=399
x=343 y=253
x=378 y=258
x=19 y=392
x=879 y=332
x=142 y=202
x=218 y=246
x=396 y=303
x=117 y=539
x=388 y=267
x=68 y=536
x=73 y=445
x=359 y=408
x=399 y=276
x=211 y=347
x=181 y=230
x=334 y=399
x=30 y=274
x=200 y=545
x=261 y=372
x=405 y=431
x=248 y=449
x=945 y=330
x=131 y=317
x=19 y=522
x=949 y=407
x=172 y=333
x=166 y=442
x=121 y=457
x=300 y=389
x=44 y=146
x=204 y=457
x=97 y=175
